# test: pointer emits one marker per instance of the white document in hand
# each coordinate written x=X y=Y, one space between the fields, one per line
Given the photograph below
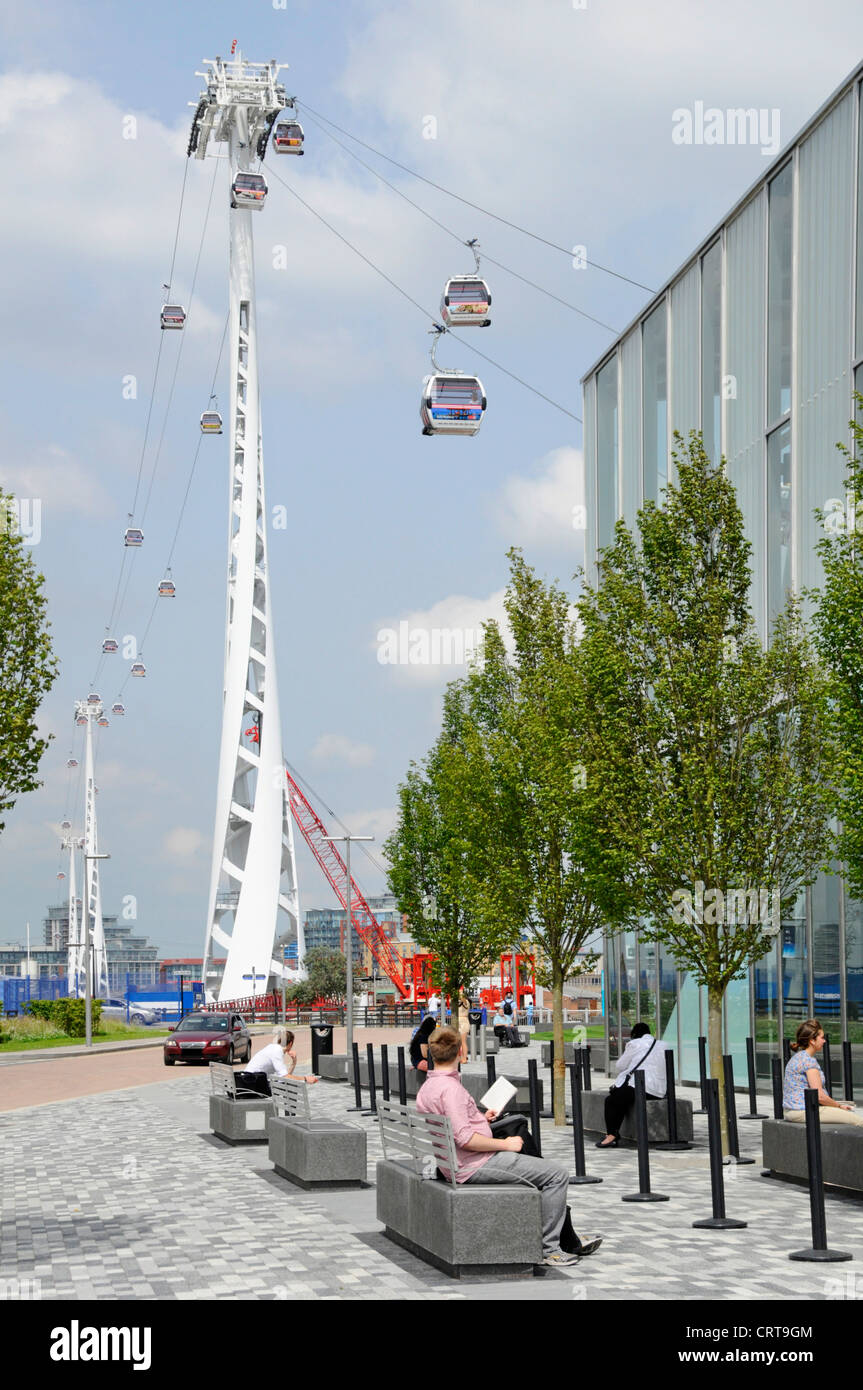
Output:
x=498 y=1096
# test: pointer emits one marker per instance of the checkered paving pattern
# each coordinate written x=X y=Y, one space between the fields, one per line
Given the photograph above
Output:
x=126 y=1195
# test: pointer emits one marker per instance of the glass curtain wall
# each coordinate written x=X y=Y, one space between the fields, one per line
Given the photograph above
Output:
x=655 y=404
x=607 y=491
x=779 y=276
x=711 y=351
x=778 y=519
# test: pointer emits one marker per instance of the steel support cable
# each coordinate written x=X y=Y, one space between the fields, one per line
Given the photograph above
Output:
x=508 y=269
x=567 y=251
x=316 y=796
x=425 y=313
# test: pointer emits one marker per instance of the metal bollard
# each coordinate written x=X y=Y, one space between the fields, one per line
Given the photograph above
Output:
x=385 y=1071
x=731 y=1110
x=751 y=1078
x=358 y=1089
x=778 y=1108
x=702 y=1075
x=847 y=1072
x=673 y=1141
x=718 y=1221
x=490 y=1069
x=373 y=1101
x=819 y=1252
x=403 y=1081
x=533 y=1091
x=644 y=1193
x=828 y=1066
x=586 y=1080
x=580 y=1175
x=548 y=1112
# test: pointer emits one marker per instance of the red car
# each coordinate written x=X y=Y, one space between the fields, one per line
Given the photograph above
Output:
x=209 y=1038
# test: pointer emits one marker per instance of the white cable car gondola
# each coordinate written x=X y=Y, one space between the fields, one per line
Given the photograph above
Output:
x=81 y=721
x=134 y=536
x=288 y=138
x=73 y=762
x=466 y=299
x=173 y=316
x=249 y=191
x=65 y=825
x=138 y=669
x=211 y=422
x=167 y=588
x=94 y=699
x=103 y=722
x=117 y=708
x=61 y=876
x=452 y=402
x=110 y=645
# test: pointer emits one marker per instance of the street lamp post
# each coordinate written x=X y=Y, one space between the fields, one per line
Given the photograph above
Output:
x=88 y=978
x=347 y=840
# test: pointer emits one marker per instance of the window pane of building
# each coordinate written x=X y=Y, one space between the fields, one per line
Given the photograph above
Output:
x=606 y=451
x=779 y=266
x=711 y=350
x=778 y=519
x=655 y=410
x=859 y=316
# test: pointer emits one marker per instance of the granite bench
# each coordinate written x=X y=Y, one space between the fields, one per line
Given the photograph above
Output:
x=477 y=1084
x=309 y=1152
x=784 y=1152
x=236 y=1116
x=465 y=1231
x=593 y=1116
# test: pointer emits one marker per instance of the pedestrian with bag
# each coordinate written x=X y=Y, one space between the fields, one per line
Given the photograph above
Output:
x=642 y=1053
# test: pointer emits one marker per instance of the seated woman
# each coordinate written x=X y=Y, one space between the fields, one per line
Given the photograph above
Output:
x=642 y=1053
x=803 y=1071
x=270 y=1061
x=419 y=1051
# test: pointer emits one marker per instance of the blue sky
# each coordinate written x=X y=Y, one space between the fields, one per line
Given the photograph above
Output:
x=557 y=118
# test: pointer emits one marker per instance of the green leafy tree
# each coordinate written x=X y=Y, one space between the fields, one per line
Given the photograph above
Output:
x=326 y=976
x=709 y=755
x=838 y=622
x=28 y=667
x=540 y=866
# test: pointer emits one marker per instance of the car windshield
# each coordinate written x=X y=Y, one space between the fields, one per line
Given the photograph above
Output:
x=203 y=1023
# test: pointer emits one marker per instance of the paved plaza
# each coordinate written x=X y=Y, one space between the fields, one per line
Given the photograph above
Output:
x=126 y=1195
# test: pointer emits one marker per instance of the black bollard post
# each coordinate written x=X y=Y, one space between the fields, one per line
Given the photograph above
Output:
x=847 y=1073
x=585 y=1068
x=578 y=1127
x=548 y=1112
x=819 y=1253
x=827 y=1063
x=385 y=1071
x=778 y=1108
x=358 y=1088
x=490 y=1069
x=673 y=1141
x=403 y=1081
x=718 y=1221
x=751 y=1078
x=644 y=1193
x=702 y=1075
x=731 y=1111
x=533 y=1090
x=370 y=1060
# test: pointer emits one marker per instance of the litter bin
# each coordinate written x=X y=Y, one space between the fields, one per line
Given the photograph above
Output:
x=322 y=1043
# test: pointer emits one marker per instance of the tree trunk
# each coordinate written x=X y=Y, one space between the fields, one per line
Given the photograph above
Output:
x=559 y=1086
x=714 y=1048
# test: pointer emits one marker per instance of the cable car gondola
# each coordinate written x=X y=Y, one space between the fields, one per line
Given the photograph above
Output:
x=73 y=762
x=118 y=708
x=65 y=825
x=167 y=588
x=81 y=721
x=103 y=722
x=94 y=699
x=138 y=669
x=173 y=316
x=452 y=402
x=134 y=536
x=211 y=422
x=110 y=645
x=288 y=138
x=249 y=191
x=61 y=876
x=466 y=299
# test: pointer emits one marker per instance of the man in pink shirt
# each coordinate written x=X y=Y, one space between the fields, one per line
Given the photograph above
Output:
x=484 y=1159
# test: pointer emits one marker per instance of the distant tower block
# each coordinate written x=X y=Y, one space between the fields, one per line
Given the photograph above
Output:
x=253 y=881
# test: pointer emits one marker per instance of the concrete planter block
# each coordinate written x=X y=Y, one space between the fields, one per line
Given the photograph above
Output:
x=784 y=1152
x=333 y=1068
x=317 y=1153
x=468 y=1232
x=520 y=1103
x=240 y=1121
x=593 y=1114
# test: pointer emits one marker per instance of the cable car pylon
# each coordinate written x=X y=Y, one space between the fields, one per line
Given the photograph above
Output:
x=253 y=882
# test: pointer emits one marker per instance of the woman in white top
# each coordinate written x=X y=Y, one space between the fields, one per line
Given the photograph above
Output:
x=642 y=1053
x=276 y=1059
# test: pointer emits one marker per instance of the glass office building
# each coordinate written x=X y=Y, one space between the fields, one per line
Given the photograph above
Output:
x=757 y=341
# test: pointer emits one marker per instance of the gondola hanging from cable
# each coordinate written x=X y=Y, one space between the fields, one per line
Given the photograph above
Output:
x=81 y=721
x=173 y=316
x=110 y=645
x=138 y=669
x=94 y=699
x=134 y=536
x=211 y=420
x=249 y=191
x=65 y=825
x=118 y=708
x=61 y=876
x=73 y=762
x=466 y=299
x=167 y=588
x=288 y=138
x=103 y=722
x=452 y=402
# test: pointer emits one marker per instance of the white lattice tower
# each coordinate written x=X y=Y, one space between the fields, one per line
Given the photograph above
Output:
x=93 y=893
x=75 y=953
x=253 y=885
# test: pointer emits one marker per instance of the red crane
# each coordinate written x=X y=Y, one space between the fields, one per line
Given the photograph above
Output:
x=367 y=927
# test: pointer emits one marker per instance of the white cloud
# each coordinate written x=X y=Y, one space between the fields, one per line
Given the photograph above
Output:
x=184 y=842
x=55 y=476
x=337 y=747
x=434 y=645
x=542 y=509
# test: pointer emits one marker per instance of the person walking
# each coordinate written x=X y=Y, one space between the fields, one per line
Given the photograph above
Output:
x=802 y=1071
x=642 y=1053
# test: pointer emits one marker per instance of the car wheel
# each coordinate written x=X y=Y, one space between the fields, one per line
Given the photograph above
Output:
x=137 y=1018
x=169 y=1061
x=231 y=1055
